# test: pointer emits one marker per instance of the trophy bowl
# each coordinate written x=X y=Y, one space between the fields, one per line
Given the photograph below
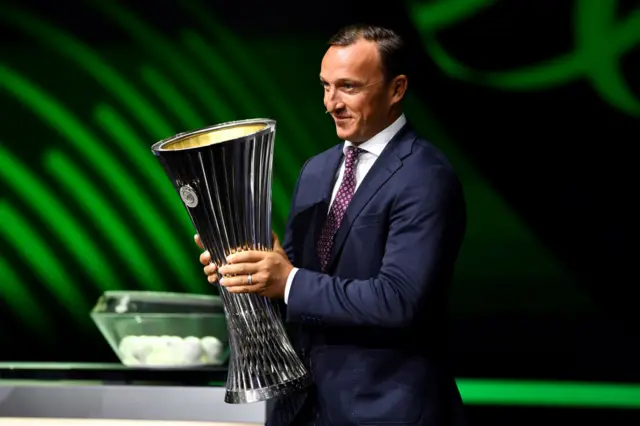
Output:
x=163 y=330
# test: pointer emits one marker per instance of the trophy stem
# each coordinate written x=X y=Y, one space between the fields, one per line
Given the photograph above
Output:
x=262 y=359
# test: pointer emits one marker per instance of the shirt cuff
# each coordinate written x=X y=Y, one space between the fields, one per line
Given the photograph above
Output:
x=287 y=287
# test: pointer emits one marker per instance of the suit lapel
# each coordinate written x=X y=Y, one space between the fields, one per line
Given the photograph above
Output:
x=328 y=178
x=326 y=181
x=389 y=161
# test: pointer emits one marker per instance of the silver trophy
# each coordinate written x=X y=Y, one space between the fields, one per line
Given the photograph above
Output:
x=223 y=176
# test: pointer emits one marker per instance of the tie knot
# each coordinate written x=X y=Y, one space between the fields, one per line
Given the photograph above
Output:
x=352 y=155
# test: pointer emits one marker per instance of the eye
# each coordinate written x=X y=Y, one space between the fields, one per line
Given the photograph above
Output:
x=349 y=87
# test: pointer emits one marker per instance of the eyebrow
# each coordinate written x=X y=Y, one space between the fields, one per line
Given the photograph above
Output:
x=342 y=80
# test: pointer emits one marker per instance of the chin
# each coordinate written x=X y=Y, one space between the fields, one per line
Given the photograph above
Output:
x=342 y=134
x=345 y=134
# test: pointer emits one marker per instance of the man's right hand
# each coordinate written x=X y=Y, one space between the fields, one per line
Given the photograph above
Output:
x=210 y=269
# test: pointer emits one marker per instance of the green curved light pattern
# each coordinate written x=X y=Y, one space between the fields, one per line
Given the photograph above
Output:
x=57 y=218
x=104 y=74
x=132 y=198
x=163 y=49
x=104 y=216
x=77 y=184
x=440 y=14
x=170 y=95
x=92 y=63
x=237 y=53
x=21 y=301
x=137 y=153
x=600 y=43
x=35 y=251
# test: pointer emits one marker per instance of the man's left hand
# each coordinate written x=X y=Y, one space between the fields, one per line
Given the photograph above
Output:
x=268 y=270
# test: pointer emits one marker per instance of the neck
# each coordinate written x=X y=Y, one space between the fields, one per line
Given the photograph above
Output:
x=394 y=114
x=391 y=118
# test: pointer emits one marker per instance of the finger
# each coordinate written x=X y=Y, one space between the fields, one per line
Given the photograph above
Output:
x=241 y=281
x=210 y=269
x=239 y=269
x=251 y=256
x=276 y=242
x=245 y=289
x=277 y=246
x=213 y=278
x=205 y=258
x=198 y=241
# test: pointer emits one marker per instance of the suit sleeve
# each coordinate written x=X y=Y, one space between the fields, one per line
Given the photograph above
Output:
x=287 y=242
x=426 y=220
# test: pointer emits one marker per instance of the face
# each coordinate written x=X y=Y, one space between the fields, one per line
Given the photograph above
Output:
x=360 y=101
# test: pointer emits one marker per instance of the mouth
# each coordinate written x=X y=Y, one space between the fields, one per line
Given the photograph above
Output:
x=341 y=118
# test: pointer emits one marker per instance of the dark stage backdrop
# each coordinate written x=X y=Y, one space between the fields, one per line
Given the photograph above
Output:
x=536 y=103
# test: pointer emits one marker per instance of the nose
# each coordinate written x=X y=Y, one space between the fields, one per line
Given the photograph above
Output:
x=332 y=100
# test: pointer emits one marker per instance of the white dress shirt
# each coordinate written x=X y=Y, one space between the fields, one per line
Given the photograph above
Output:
x=373 y=148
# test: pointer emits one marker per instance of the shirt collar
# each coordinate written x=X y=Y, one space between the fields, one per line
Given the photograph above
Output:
x=376 y=144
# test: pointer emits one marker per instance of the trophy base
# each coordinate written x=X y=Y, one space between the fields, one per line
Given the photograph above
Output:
x=266 y=393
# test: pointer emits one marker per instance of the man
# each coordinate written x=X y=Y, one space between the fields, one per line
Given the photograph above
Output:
x=375 y=226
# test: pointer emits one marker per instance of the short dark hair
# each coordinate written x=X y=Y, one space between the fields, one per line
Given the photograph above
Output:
x=391 y=46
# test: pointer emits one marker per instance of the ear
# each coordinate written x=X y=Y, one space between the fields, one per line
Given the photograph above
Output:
x=398 y=88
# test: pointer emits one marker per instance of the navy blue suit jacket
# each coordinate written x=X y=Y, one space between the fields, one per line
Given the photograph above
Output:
x=372 y=327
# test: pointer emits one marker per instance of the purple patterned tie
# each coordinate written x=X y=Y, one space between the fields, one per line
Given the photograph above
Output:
x=339 y=206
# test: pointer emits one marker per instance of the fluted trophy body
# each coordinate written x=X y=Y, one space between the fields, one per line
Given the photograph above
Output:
x=223 y=177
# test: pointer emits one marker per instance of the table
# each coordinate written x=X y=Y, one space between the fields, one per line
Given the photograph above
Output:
x=112 y=394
